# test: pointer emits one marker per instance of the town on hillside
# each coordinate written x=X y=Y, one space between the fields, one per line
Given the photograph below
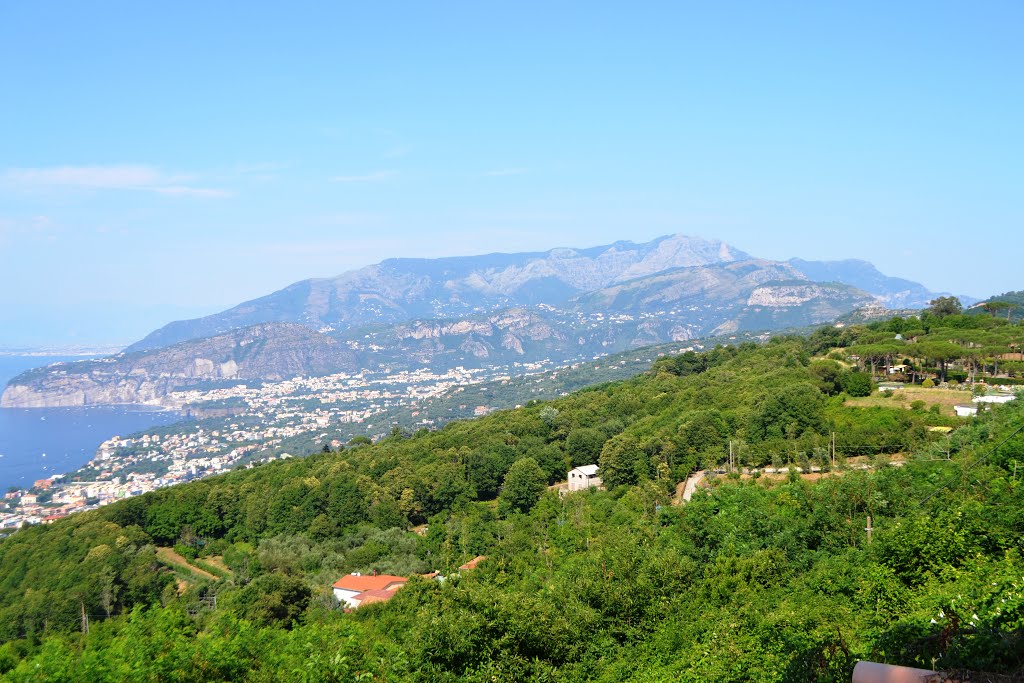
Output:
x=957 y=370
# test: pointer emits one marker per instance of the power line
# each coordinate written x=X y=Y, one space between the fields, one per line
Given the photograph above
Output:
x=988 y=455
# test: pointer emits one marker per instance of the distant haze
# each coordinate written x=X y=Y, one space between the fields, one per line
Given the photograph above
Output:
x=157 y=167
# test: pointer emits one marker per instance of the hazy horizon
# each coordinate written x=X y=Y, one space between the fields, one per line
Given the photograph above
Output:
x=166 y=163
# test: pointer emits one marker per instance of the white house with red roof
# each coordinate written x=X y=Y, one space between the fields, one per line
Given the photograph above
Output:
x=355 y=590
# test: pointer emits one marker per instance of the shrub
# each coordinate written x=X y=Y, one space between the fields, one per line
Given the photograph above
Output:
x=857 y=384
x=186 y=551
x=917 y=405
x=273 y=599
x=524 y=485
x=928 y=383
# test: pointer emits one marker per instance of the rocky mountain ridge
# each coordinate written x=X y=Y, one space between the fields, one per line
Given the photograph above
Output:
x=558 y=306
x=397 y=290
x=678 y=305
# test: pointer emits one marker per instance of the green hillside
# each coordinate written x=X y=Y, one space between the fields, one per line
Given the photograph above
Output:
x=759 y=577
x=1008 y=305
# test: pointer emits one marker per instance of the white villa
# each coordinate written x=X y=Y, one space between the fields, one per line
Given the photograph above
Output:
x=583 y=477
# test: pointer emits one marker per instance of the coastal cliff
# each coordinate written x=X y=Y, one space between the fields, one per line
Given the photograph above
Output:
x=272 y=351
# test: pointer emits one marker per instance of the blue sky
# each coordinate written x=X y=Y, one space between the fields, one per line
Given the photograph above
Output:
x=162 y=162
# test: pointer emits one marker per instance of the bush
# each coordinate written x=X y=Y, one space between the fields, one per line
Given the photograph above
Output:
x=524 y=485
x=273 y=599
x=917 y=405
x=928 y=383
x=857 y=384
x=186 y=551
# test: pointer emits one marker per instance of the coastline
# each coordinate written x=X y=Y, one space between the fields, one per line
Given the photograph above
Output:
x=38 y=443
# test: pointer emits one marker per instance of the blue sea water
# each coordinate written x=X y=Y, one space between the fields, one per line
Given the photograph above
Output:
x=39 y=442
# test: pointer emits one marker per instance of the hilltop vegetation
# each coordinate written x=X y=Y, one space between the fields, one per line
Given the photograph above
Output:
x=1008 y=304
x=754 y=580
x=943 y=344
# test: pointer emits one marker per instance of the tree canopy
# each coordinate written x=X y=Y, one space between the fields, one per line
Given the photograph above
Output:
x=760 y=576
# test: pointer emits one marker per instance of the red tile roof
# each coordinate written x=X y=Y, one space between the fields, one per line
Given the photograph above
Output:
x=368 y=583
x=377 y=595
x=474 y=562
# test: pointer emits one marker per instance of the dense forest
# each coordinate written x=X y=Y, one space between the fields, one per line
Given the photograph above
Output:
x=762 y=575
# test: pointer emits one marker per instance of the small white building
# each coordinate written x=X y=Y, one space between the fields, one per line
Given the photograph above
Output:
x=583 y=477
x=965 y=411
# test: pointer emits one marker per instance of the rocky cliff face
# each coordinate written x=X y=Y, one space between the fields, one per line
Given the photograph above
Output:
x=744 y=295
x=271 y=352
x=516 y=334
x=67 y=391
x=794 y=294
x=722 y=285
x=891 y=292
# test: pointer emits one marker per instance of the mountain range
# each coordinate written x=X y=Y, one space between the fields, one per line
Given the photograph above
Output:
x=397 y=290
x=560 y=305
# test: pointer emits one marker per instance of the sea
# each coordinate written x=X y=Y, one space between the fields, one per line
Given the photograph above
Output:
x=36 y=443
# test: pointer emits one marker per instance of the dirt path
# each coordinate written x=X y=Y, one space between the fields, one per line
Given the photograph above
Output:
x=218 y=562
x=170 y=557
x=677 y=497
x=686 y=489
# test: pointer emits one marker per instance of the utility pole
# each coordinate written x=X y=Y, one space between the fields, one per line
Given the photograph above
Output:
x=731 y=468
x=833 y=450
x=868 y=529
x=85 y=620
